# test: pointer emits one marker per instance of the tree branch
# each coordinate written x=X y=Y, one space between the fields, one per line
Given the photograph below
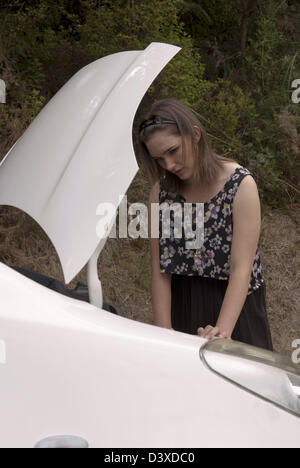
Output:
x=248 y=8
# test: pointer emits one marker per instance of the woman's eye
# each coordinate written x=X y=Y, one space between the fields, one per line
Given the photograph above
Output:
x=171 y=152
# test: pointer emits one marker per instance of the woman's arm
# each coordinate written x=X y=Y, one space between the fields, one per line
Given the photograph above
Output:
x=246 y=229
x=160 y=282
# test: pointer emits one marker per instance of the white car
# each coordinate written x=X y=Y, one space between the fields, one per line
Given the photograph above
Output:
x=74 y=374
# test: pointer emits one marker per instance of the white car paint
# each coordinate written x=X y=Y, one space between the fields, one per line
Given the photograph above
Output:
x=78 y=152
x=74 y=369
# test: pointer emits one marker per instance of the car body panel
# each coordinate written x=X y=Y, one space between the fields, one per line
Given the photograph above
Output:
x=78 y=152
x=73 y=369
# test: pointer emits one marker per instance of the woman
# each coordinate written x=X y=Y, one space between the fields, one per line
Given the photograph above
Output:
x=216 y=290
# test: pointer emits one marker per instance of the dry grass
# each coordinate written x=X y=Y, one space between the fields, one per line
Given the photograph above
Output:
x=124 y=264
x=280 y=251
x=289 y=137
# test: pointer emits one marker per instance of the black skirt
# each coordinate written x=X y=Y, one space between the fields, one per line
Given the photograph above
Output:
x=197 y=301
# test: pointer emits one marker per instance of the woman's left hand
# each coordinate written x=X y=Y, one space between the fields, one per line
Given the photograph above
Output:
x=210 y=332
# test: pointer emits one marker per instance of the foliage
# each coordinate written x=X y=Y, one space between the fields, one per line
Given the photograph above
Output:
x=122 y=27
x=236 y=67
x=271 y=64
x=37 y=55
x=245 y=109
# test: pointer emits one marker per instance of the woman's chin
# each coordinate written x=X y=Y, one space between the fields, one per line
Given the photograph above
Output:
x=185 y=176
x=181 y=173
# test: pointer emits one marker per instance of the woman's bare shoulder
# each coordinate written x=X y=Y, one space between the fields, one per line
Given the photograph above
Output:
x=231 y=166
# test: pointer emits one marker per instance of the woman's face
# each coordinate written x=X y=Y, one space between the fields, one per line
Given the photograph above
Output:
x=167 y=150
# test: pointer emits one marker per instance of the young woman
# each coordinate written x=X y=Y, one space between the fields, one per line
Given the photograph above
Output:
x=216 y=290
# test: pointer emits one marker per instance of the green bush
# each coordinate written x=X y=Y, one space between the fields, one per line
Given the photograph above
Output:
x=118 y=26
x=245 y=105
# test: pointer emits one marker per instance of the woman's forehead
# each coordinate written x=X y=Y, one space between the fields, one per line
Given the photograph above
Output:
x=160 y=143
x=163 y=139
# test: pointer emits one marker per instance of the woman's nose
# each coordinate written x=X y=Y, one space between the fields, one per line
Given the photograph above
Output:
x=170 y=165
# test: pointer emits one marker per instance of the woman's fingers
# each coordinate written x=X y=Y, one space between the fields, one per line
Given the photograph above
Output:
x=210 y=332
x=207 y=331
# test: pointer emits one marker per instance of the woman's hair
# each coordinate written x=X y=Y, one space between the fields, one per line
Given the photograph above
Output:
x=208 y=162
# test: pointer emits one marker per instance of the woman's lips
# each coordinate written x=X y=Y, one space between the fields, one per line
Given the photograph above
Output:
x=179 y=172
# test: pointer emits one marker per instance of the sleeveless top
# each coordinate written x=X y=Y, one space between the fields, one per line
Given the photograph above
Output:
x=212 y=259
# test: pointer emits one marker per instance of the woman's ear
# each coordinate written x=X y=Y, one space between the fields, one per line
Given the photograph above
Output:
x=197 y=133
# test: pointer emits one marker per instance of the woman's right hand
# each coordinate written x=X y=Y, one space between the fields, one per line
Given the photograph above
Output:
x=210 y=332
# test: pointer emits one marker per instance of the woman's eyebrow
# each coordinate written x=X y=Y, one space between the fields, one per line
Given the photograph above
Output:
x=166 y=151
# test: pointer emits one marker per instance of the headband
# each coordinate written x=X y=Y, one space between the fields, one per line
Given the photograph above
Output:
x=155 y=120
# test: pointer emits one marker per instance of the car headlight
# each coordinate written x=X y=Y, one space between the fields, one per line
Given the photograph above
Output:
x=266 y=374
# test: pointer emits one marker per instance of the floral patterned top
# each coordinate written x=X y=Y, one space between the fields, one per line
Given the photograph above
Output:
x=212 y=259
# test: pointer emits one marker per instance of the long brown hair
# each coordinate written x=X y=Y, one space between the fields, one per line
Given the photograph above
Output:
x=209 y=162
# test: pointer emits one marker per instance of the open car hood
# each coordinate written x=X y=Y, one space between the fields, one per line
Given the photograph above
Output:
x=78 y=152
